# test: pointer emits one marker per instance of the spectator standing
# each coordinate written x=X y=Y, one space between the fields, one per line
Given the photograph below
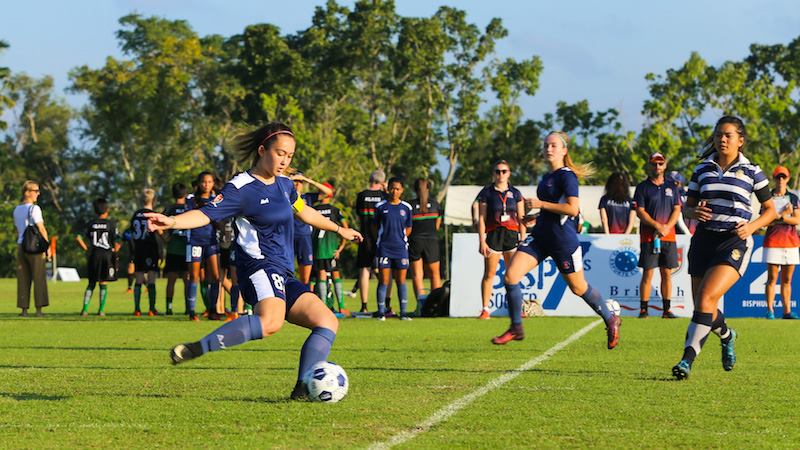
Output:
x=30 y=267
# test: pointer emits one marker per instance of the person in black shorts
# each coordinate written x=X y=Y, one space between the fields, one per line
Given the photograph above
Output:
x=423 y=244
x=145 y=255
x=365 y=210
x=101 y=262
x=657 y=202
x=719 y=197
x=176 y=249
x=327 y=249
x=501 y=211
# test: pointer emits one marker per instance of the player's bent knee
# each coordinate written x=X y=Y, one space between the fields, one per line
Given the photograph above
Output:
x=270 y=326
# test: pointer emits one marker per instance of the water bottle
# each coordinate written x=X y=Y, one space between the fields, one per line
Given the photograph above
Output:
x=656 y=245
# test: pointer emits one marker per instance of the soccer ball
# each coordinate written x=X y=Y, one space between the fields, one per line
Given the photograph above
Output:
x=326 y=382
x=613 y=306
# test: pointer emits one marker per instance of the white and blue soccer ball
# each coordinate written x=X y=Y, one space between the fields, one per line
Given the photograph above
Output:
x=613 y=306
x=326 y=382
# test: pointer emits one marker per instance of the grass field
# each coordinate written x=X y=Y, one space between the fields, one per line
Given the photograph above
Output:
x=67 y=381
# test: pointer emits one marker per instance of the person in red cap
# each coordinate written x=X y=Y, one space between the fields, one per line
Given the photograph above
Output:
x=658 y=204
x=781 y=244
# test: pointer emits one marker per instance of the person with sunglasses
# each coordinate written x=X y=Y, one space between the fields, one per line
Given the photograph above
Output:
x=500 y=212
x=657 y=202
x=30 y=266
x=781 y=244
x=719 y=197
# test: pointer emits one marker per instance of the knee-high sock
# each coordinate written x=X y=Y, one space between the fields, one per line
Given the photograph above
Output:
x=514 y=299
x=212 y=290
x=235 y=332
x=720 y=327
x=137 y=297
x=381 y=294
x=337 y=287
x=130 y=280
x=204 y=295
x=103 y=297
x=235 y=298
x=402 y=297
x=191 y=297
x=322 y=290
x=593 y=298
x=696 y=335
x=87 y=297
x=316 y=348
x=151 y=295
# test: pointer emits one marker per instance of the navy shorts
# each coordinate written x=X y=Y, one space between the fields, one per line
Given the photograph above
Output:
x=386 y=262
x=266 y=282
x=714 y=248
x=569 y=260
x=666 y=258
x=197 y=253
x=303 y=250
x=175 y=263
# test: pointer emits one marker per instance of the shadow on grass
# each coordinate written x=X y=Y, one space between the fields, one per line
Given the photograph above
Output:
x=33 y=396
x=148 y=367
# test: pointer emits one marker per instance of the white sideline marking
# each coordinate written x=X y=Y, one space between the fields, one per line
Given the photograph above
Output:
x=449 y=410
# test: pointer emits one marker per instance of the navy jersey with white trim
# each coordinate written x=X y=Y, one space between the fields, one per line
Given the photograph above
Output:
x=264 y=219
x=392 y=223
x=558 y=229
x=205 y=235
x=727 y=192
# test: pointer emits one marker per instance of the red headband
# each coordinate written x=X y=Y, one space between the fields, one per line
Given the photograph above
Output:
x=274 y=134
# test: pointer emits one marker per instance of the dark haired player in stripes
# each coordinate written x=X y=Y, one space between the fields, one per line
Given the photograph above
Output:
x=102 y=236
x=719 y=198
x=145 y=254
x=423 y=245
x=264 y=204
x=365 y=209
x=175 y=265
x=393 y=217
x=657 y=202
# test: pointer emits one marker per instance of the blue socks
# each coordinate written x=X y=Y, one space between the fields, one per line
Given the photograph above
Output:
x=402 y=294
x=235 y=332
x=316 y=348
x=595 y=301
x=381 y=298
x=514 y=300
x=191 y=297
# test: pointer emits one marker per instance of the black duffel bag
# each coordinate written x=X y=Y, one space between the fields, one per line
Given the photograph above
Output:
x=437 y=304
x=32 y=240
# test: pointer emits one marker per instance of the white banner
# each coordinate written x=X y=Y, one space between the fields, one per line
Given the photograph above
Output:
x=610 y=264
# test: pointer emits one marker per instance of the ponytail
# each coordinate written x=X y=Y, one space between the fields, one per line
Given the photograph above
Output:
x=581 y=170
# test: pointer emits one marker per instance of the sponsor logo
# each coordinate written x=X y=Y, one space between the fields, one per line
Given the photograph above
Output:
x=221 y=340
x=402 y=213
x=217 y=200
x=736 y=254
x=264 y=201
x=740 y=174
x=624 y=260
x=668 y=192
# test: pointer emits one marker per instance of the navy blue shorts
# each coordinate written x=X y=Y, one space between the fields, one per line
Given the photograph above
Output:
x=266 y=282
x=714 y=248
x=303 y=250
x=387 y=262
x=567 y=260
x=197 y=253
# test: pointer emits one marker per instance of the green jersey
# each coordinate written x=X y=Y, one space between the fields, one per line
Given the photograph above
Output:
x=327 y=242
x=177 y=240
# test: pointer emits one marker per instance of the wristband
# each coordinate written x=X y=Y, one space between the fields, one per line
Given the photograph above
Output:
x=337 y=228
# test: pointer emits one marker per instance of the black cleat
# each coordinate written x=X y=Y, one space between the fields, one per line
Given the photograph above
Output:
x=185 y=352
x=300 y=392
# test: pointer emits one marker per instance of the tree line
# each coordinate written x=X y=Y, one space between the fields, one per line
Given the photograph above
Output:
x=363 y=88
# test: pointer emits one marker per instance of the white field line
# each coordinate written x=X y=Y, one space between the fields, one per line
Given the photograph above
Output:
x=449 y=410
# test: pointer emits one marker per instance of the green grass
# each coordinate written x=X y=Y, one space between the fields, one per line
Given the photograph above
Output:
x=67 y=381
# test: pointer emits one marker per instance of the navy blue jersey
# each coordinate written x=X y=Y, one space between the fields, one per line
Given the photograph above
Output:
x=618 y=213
x=392 y=223
x=264 y=220
x=558 y=229
x=205 y=235
x=728 y=193
x=657 y=200
x=301 y=228
x=501 y=207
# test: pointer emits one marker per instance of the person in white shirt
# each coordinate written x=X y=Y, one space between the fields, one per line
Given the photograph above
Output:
x=30 y=267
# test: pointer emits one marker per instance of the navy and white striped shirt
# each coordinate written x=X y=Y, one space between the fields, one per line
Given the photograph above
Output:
x=728 y=193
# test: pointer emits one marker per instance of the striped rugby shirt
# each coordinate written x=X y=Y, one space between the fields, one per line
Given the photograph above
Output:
x=728 y=193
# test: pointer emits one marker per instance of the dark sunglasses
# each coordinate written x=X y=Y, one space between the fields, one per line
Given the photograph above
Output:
x=657 y=164
x=780 y=175
x=501 y=171
x=33 y=190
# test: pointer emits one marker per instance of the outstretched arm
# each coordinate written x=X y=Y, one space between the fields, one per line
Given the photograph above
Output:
x=312 y=217
x=186 y=221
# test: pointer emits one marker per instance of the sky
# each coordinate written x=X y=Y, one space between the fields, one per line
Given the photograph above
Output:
x=594 y=50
